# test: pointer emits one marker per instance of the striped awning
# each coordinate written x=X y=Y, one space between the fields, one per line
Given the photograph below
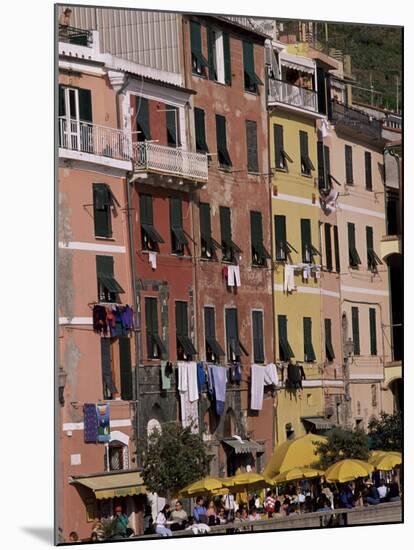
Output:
x=297 y=62
x=319 y=422
x=241 y=446
x=113 y=485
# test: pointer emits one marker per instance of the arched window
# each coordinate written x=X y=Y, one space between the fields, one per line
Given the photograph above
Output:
x=117 y=456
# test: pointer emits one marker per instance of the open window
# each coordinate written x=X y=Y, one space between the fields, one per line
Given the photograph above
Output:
x=329 y=351
x=373 y=259
x=285 y=351
x=251 y=80
x=213 y=349
x=199 y=62
x=155 y=346
x=200 y=131
x=281 y=157
x=172 y=125
x=178 y=237
x=117 y=456
x=354 y=259
x=142 y=119
x=305 y=160
x=229 y=249
x=108 y=287
x=259 y=253
x=221 y=135
x=116 y=368
x=235 y=348
x=309 y=352
x=308 y=250
x=103 y=201
x=150 y=237
x=283 y=247
x=208 y=244
x=185 y=347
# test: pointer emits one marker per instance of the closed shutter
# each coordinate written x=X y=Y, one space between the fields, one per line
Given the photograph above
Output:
x=151 y=321
x=109 y=387
x=145 y=209
x=259 y=253
x=348 y=165
x=330 y=355
x=62 y=104
x=305 y=231
x=105 y=266
x=373 y=330
x=251 y=141
x=200 y=130
x=85 y=105
x=368 y=171
x=280 y=162
x=280 y=237
x=143 y=119
x=355 y=330
x=102 y=210
x=171 y=115
x=370 y=246
x=285 y=351
x=227 y=58
x=309 y=353
x=354 y=259
x=328 y=246
x=225 y=226
x=251 y=80
x=176 y=217
x=327 y=159
x=205 y=223
x=232 y=335
x=304 y=153
x=181 y=319
x=126 y=368
x=258 y=347
x=209 y=322
x=336 y=246
x=322 y=183
x=221 y=135
x=211 y=49
x=196 y=45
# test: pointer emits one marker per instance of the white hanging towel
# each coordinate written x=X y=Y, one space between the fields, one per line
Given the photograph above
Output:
x=188 y=397
x=152 y=258
x=257 y=373
x=324 y=128
x=189 y=411
x=233 y=275
x=182 y=376
x=192 y=380
x=289 y=280
x=270 y=375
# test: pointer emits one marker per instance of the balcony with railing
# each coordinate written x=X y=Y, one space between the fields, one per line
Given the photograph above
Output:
x=83 y=140
x=354 y=121
x=153 y=158
x=72 y=35
x=295 y=96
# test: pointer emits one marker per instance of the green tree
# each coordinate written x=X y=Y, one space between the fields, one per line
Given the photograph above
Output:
x=342 y=444
x=173 y=458
x=385 y=432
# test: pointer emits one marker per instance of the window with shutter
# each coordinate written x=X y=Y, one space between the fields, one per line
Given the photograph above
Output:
x=126 y=368
x=199 y=62
x=108 y=287
x=251 y=80
x=349 y=177
x=259 y=252
x=354 y=259
x=221 y=135
x=102 y=202
x=212 y=56
x=330 y=355
x=373 y=330
x=355 y=330
x=283 y=247
x=234 y=346
x=213 y=349
x=150 y=238
x=305 y=161
x=178 y=236
x=200 y=131
x=109 y=388
x=208 y=244
x=227 y=58
x=258 y=345
x=155 y=346
x=327 y=162
x=336 y=246
x=229 y=249
x=281 y=157
x=322 y=181
x=173 y=134
x=308 y=250
x=328 y=246
x=368 y=171
x=85 y=105
x=285 y=351
x=373 y=259
x=309 y=353
x=251 y=141
x=185 y=347
x=142 y=119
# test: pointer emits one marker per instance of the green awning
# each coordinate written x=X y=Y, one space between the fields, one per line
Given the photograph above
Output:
x=111 y=284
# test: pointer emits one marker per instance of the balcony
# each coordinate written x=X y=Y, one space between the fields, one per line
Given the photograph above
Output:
x=353 y=121
x=295 y=96
x=81 y=140
x=174 y=163
x=72 y=35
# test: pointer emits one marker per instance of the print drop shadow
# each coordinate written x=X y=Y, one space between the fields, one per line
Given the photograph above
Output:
x=45 y=534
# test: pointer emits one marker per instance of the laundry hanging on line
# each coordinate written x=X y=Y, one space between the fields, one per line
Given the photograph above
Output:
x=261 y=376
x=217 y=383
x=117 y=320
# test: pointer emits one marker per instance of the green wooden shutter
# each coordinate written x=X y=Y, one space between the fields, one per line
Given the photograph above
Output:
x=256 y=231
x=330 y=355
x=336 y=246
x=209 y=322
x=251 y=141
x=355 y=330
x=176 y=216
x=309 y=353
x=200 y=130
x=280 y=237
x=171 y=116
x=368 y=171
x=227 y=58
x=151 y=321
x=304 y=152
x=221 y=137
x=126 y=368
x=322 y=183
x=351 y=242
x=181 y=318
x=85 y=105
x=285 y=351
x=211 y=49
x=373 y=330
x=327 y=158
x=305 y=231
x=143 y=119
x=348 y=165
x=258 y=347
x=225 y=226
x=205 y=222
x=106 y=365
x=62 y=104
x=370 y=244
x=104 y=266
x=279 y=147
x=101 y=210
x=232 y=333
x=328 y=246
x=145 y=209
x=196 y=44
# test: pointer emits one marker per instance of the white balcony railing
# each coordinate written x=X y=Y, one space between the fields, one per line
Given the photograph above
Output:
x=169 y=160
x=282 y=92
x=85 y=137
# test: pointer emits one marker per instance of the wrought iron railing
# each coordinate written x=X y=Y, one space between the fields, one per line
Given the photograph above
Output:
x=355 y=119
x=72 y=35
x=170 y=160
x=283 y=92
x=85 y=137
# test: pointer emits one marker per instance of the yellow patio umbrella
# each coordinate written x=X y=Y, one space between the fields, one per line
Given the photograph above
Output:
x=297 y=473
x=205 y=485
x=294 y=453
x=348 y=469
x=386 y=461
x=247 y=480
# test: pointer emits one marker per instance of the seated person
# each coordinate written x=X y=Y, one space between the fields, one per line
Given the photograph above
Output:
x=178 y=517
